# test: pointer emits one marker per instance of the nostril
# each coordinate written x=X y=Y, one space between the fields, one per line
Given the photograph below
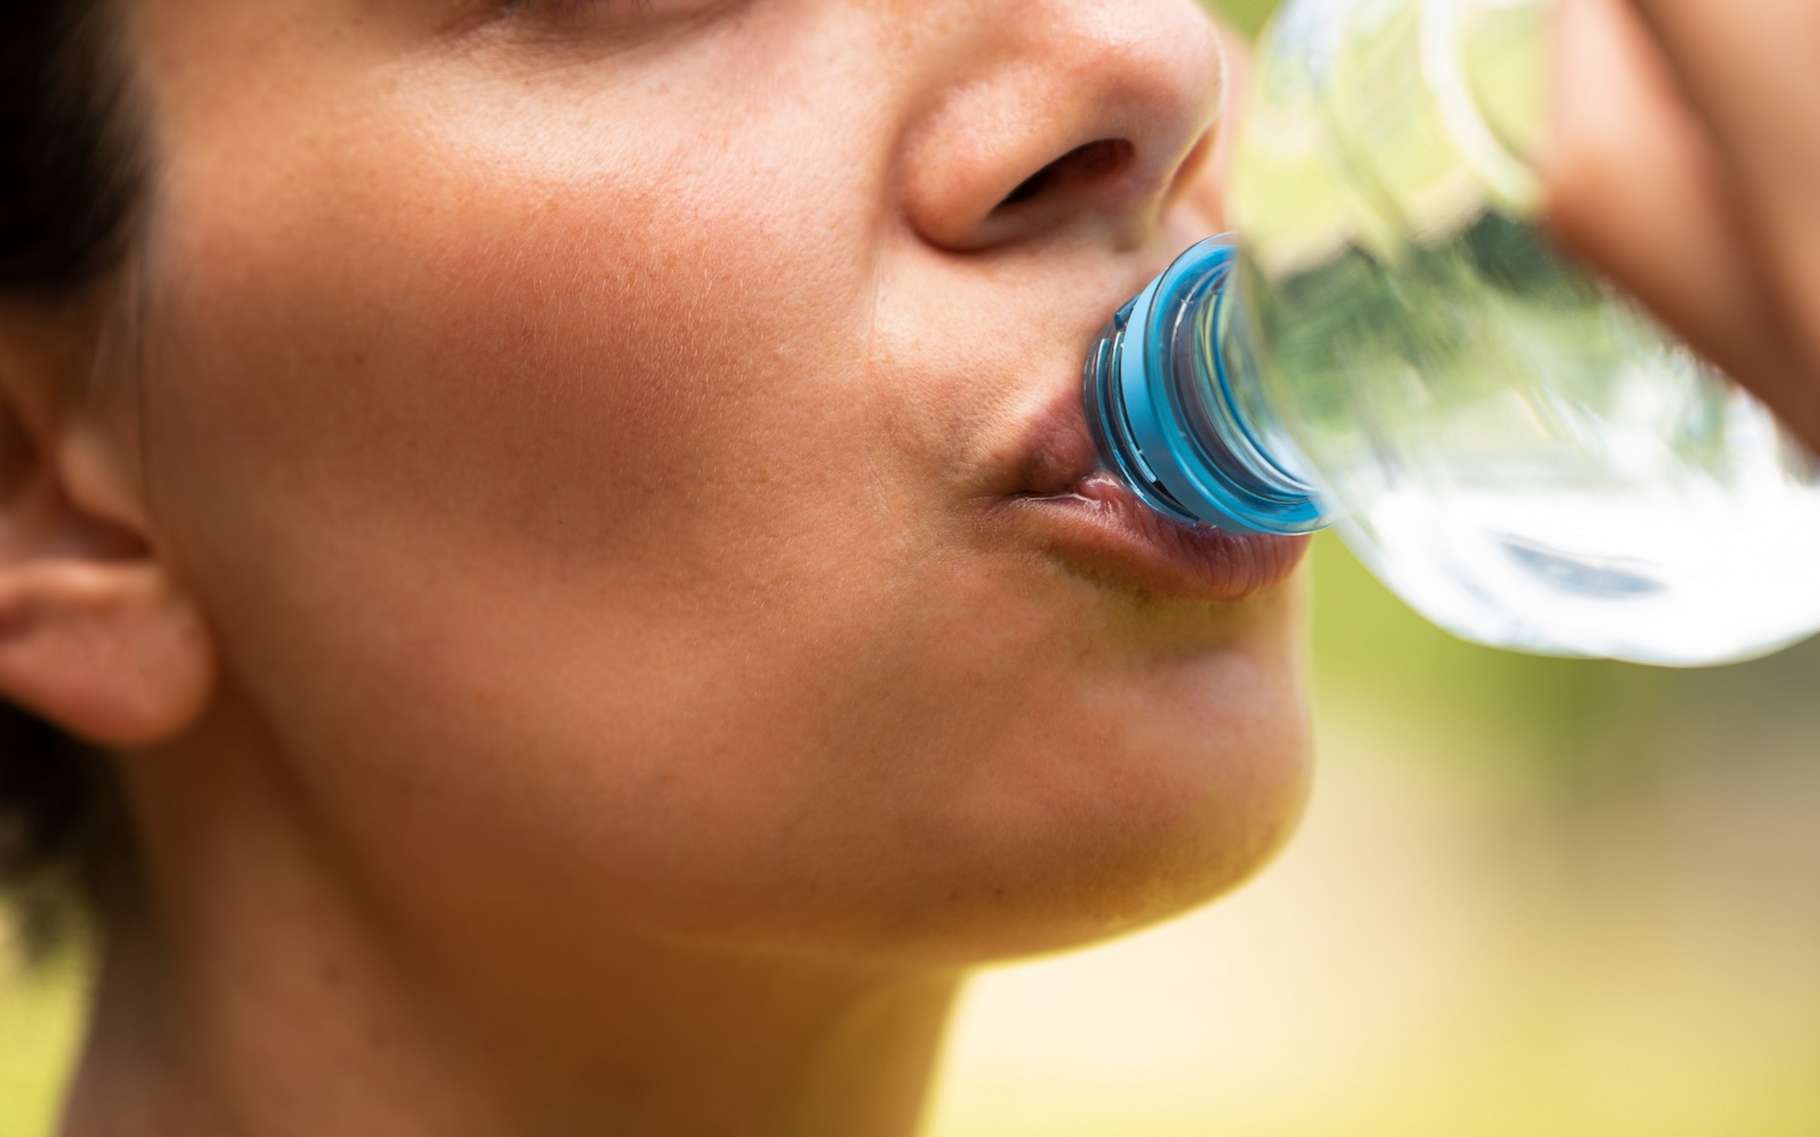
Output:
x=1083 y=164
x=1029 y=187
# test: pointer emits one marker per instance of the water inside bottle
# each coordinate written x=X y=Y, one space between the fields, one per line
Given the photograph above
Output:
x=1521 y=454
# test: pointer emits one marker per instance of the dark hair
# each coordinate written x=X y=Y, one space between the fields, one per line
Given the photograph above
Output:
x=65 y=204
x=63 y=134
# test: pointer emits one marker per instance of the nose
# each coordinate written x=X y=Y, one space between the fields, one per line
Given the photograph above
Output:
x=1086 y=113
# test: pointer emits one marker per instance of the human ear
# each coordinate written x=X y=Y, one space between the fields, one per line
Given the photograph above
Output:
x=97 y=636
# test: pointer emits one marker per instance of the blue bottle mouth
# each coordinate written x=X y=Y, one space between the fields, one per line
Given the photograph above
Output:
x=1161 y=405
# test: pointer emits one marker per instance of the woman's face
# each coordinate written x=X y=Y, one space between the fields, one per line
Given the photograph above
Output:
x=610 y=441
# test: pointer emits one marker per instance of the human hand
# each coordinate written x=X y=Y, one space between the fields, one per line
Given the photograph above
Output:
x=1686 y=166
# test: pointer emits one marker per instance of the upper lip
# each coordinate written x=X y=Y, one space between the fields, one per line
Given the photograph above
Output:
x=1051 y=450
x=1056 y=451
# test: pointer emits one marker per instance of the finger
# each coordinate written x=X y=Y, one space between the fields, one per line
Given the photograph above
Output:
x=1637 y=188
x=1749 y=70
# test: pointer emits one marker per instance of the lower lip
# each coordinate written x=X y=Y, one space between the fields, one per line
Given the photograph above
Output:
x=1098 y=523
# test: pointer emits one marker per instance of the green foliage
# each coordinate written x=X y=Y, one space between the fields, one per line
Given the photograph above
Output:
x=1247 y=14
x=39 y=1024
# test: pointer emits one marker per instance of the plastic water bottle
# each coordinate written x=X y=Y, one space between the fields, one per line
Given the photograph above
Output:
x=1391 y=346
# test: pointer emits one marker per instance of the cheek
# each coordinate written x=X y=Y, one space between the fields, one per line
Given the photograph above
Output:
x=533 y=489
x=412 y=358
x=561 y=365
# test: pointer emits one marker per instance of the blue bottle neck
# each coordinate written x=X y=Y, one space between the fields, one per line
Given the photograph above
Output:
x=1162 y=389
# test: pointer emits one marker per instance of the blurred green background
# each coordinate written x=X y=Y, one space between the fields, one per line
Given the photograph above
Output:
x=1531 y=896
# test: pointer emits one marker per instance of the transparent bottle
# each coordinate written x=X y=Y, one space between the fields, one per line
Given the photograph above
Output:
x=1391 y=346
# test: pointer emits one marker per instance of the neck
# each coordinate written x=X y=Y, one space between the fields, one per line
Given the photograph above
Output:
x=256 y=991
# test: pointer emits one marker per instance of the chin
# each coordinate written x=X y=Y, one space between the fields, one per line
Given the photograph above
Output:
x=1121 y=815
x=1181 y=828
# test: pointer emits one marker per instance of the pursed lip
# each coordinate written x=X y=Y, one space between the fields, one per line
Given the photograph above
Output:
x=1063 y=500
